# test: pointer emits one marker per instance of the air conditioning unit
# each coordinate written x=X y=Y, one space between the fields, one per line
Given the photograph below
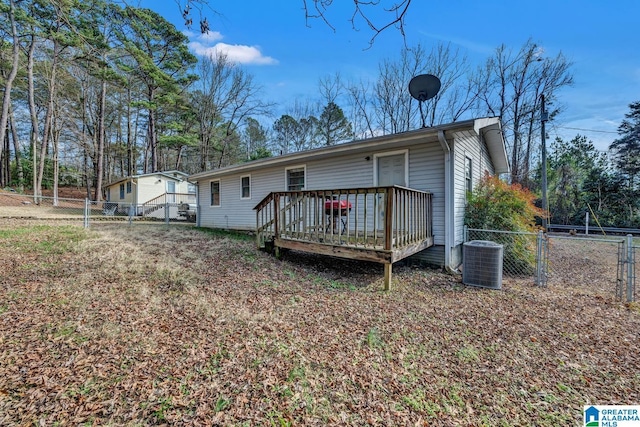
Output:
x=482 y=264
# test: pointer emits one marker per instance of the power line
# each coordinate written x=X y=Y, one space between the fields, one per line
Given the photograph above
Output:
x=587 y=130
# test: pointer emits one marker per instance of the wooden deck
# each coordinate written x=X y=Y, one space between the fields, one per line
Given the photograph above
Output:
x=380 y=224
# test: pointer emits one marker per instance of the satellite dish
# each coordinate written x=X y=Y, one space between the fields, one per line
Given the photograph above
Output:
x=423 y=87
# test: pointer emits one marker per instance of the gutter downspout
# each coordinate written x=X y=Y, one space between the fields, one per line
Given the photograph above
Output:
x=449 y=200
x=198 y=212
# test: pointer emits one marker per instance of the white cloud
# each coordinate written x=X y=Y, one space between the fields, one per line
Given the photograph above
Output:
x=242 y=54
x=211 y=36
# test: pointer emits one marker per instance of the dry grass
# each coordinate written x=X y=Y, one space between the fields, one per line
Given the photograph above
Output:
x=146 y=325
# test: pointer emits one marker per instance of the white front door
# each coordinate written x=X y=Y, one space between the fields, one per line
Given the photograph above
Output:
x=391 y=170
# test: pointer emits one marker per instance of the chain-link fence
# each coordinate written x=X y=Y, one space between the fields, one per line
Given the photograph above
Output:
x=13 y=205
x=521 y=257
x=600 y=264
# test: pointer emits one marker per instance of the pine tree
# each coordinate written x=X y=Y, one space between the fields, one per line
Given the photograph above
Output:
x=626 y=149
x=333 y=126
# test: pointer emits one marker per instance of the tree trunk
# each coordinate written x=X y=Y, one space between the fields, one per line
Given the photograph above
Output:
x=15 y=55
x=48 y=118
x=101 y=132
x=153 y=146
x=16 y=149
x=5 y=161
x=55 y=139
x=130 y=150
x=34 y=115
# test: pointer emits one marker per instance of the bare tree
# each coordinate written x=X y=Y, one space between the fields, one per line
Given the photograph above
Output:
x=15 y=59
x=387 y=107
x=360 y=99
x=395 y=14
x=455 y=97
x=509 y=86
x=330 y=88
x=224 y=97
x=394 y=11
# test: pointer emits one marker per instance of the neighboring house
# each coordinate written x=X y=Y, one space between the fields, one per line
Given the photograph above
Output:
x=445 y=161
x=148 y=193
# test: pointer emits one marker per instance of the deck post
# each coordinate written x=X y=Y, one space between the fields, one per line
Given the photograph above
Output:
x=388 y=218
x=387 y=276
x=276 y=219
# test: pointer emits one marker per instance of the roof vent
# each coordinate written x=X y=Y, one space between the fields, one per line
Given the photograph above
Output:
x=482 y=264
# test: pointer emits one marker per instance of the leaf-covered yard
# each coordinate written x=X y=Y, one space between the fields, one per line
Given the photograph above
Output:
x=148 y=325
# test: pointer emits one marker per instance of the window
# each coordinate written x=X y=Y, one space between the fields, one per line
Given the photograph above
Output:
x=468 y=174
x=171 y=191
x=295 y=179
x=122 y=191
x=128 y=187
x=215 y=193
x=245 y=183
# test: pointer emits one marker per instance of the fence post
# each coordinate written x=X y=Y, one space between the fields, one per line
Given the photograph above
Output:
x=586 y=224
x=86 y=213
x=166 y=213
x=630 y=269
x=466 y=233
x=539 y=261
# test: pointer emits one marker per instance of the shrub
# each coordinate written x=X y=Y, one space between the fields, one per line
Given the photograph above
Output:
x=496 y=205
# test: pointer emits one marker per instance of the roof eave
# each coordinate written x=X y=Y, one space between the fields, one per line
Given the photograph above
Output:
x=336 y=150
x=491 y=131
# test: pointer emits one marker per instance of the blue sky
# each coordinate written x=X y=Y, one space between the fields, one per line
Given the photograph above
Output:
x=287 y=56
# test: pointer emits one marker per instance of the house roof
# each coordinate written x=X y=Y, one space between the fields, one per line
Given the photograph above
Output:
x=489 y=128
x=172 y=174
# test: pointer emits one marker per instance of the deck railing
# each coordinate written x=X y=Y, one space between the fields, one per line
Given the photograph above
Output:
x=378 y=218
x=160 y=202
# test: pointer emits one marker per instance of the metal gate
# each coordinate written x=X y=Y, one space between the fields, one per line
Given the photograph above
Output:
x=603 y=265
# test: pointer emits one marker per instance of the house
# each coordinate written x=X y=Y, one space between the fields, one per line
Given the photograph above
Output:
x=149 y=194
x=384 y=189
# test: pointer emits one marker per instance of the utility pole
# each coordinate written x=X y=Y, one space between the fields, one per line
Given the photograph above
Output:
x=544 y=116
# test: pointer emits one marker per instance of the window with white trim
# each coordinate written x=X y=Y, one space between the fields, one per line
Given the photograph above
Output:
x=295 y=179
x=468 y=174
x=215 y=193
x=245 y=185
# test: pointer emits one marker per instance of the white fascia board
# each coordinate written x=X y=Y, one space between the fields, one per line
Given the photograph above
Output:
x=491 y=131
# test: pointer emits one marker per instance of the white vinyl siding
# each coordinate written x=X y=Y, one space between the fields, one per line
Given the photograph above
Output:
x=468 y=145
x=237 y=213
x=426 y=173
x=140 y=189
